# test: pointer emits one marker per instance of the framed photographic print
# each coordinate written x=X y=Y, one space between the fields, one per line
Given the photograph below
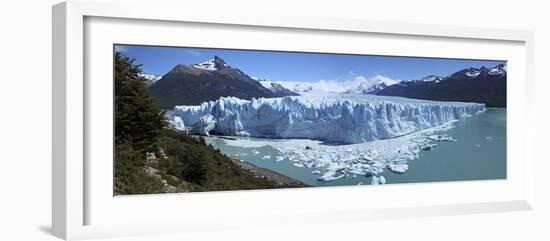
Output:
x=223 y=129
x=263 y=118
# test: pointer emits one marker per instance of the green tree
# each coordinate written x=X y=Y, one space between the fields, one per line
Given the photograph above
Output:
x=137 y=119
x=194 y=169
x=139 y=124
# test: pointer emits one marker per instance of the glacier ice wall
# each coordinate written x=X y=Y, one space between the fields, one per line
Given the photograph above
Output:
x=351 y=118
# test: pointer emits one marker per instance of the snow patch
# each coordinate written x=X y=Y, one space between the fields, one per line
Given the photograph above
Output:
x=209 y=65
x=265 y=83
x=473 y=74
x=498 y=70
x=431 y=78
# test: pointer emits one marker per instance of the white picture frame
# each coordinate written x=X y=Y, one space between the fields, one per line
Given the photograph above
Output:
x=75 y=197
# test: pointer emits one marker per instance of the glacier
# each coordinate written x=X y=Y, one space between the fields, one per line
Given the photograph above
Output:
x=331 y=118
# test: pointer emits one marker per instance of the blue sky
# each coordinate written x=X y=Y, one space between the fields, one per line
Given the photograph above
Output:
x=289 y=66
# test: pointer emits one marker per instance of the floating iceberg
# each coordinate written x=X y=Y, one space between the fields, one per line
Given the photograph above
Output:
x=335 y=118
x=441 y=138
x=399 y=168
x=330 y=176
x=367 y=159
x=378 y=180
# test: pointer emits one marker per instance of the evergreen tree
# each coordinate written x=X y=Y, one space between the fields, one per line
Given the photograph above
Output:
x=139 y=124
x=194 y=168
x=137 y=119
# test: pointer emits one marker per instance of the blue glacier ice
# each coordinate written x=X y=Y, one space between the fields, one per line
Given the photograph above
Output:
x=338 y=118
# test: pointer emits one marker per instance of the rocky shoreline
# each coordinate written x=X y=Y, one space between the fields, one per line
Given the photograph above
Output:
x=280 y=179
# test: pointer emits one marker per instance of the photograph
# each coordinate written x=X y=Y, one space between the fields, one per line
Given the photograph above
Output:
x=194 y=119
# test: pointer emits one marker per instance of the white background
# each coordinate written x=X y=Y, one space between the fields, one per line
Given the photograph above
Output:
x=285 y=204
x=25 y=123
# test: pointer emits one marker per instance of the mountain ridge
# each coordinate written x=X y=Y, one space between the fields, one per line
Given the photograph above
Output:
x=482 y=85
x=197 y=83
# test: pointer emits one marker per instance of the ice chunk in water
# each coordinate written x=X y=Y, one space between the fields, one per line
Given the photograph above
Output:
x=330 y=176
x=378 y=180
x=399 y=168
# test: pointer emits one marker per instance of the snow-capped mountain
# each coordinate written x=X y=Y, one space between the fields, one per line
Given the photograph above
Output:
x=482 y=85
x=274 y=87
x=359 y=84
x=351 y=118
x=196 y=83
x=377 y=88
x=498 y=70
x=151 y=78
x=303 y=87
x=373 y=85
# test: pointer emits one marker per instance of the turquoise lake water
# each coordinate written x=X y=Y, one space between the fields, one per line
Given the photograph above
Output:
x=478 y=154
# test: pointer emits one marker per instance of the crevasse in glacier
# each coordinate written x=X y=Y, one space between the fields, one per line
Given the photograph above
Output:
x=350 y=118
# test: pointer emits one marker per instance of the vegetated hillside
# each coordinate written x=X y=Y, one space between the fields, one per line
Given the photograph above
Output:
x=197 y=83
x=192 y=165
x=152 y=158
